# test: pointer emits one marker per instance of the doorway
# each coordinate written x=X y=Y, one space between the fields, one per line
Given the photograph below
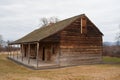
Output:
x=43 y=54
x=46 y=53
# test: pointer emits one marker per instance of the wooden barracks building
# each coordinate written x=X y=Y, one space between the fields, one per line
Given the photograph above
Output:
x=72 y=41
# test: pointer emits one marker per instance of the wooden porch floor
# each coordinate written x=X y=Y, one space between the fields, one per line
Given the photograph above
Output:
x=32 y=63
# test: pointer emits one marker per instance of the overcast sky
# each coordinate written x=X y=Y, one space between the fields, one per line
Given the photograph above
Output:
x=19 y=17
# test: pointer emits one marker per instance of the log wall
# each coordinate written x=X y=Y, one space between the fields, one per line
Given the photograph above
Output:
x=77 y=48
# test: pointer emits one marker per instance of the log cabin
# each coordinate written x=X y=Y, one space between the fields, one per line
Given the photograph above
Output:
x=72 y=41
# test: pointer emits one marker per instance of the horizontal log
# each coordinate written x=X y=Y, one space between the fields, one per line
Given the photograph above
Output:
x=80 y=59
x=79 y=53
x=80 y=46
x=79 y=49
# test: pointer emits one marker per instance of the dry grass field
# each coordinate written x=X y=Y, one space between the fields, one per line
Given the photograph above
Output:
x=12 y=71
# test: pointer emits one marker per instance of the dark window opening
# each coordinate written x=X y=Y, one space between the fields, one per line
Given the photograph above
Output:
x=43 y=55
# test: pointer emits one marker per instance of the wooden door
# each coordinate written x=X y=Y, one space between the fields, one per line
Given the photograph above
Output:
x=46 y=53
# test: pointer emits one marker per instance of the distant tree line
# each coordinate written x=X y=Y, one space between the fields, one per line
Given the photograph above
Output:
x=113 y=50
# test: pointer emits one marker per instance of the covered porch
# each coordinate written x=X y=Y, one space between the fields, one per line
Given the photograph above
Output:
x=34 y=56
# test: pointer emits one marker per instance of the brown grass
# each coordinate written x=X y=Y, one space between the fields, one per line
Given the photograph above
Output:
x=12 y=71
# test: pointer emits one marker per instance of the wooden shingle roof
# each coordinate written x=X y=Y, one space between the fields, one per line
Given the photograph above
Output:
x=46 y=31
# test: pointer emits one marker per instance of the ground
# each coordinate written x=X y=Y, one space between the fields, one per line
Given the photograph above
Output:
x=12 y=71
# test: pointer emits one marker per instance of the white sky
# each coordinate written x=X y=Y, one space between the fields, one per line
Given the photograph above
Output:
x=19 y=17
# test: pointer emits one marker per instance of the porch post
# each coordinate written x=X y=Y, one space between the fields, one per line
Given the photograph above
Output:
x=37 y=54
x=12 y=50
x=59 y=54
x=22 y=51
x=28 y=53
x=9 y=50
x=17 y=50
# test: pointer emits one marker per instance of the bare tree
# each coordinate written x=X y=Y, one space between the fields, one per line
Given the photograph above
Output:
x=53 y=19
x=46 y=21
x=118 y=37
